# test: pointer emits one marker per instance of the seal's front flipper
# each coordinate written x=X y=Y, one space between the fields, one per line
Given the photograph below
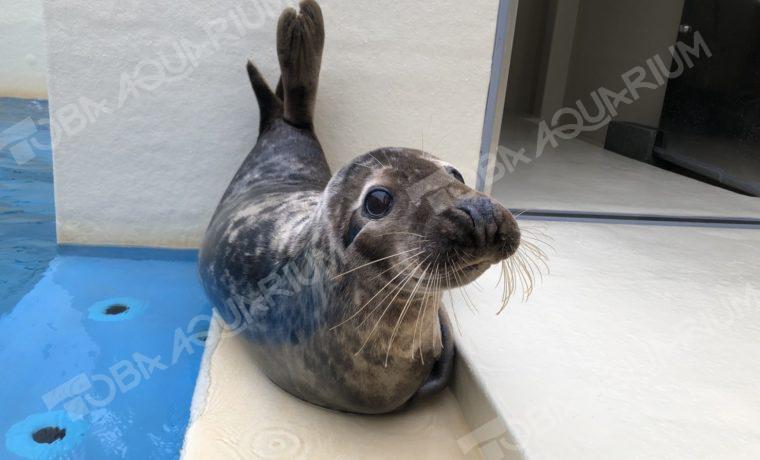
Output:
x=443 y=368
x=300 y=41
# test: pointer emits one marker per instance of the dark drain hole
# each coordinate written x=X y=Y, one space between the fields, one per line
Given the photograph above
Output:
x=116 y=309
x=48 y=435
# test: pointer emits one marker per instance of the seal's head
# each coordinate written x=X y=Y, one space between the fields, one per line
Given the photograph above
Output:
x=401 y=210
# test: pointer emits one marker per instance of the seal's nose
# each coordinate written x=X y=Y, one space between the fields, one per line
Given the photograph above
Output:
x=488 y=224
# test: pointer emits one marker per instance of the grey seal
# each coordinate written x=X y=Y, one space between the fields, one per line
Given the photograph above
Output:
x=336 y=280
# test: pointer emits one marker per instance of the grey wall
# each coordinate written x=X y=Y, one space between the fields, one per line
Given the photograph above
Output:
x=556 y=56
x=611 y=37
x=523 y=85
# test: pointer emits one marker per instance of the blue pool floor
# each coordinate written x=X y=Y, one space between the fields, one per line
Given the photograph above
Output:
x=125 y=378
x=100 y=348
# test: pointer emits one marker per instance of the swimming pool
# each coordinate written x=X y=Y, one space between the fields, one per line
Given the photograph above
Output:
x=101 y=346
x=27 y=213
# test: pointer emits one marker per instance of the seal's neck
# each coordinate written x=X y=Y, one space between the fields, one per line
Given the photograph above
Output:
x=377 y=318
x=387 y=322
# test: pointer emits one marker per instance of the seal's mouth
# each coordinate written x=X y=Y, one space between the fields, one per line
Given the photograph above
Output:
x=463 y=274
x=475 y=263
x=474 y=267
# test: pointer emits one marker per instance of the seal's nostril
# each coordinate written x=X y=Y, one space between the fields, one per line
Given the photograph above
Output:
x=489 y=225
x=48 y=435
x=470 y=213
x=474 y=228
x=482 y=208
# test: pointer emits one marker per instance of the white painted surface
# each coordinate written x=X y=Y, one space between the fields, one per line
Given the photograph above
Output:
x=644 y=342
x=22 y=54
x=151 y=171
x=238 y=413
x=579 y=176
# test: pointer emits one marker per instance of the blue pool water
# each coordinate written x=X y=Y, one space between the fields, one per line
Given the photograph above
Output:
x=100 y=348
x=130 y=378
x=27 y=213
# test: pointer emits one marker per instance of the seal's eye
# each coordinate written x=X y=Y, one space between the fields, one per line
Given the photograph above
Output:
x=378 y=203
x=455 y=174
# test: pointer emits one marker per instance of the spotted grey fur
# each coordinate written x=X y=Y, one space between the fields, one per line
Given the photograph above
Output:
x=289 y=257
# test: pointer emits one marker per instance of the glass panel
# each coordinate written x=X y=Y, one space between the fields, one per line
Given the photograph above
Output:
x=644 y=107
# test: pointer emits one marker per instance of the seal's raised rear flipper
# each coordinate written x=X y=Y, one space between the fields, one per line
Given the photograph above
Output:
x=279 y=92
x=270 y=106
x=300 y=41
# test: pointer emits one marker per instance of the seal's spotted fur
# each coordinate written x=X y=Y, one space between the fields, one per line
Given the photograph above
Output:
x=291 y=260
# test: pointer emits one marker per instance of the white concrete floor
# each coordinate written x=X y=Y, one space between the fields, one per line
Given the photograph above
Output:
x=643 y=342
x=238 y=413
x=579 y=176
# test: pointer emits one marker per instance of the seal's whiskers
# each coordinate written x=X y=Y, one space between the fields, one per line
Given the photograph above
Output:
x=463 y=264
x=524 y=267
x=373 y=262
x=406 y=233
x=356 y=313
x=431 y=296
x=397 y=289
x=454 y=311
x=378 y=161
x=539 y=238
x=388 y=305
x=440 y=335
x=510 y=283
x=423 y=308
x=403 y=313
x=462 y=290
x=539 y=255
x=420 y=311
x=529 y=275
x=451 y=299
x=396 y=265
x=536 y=233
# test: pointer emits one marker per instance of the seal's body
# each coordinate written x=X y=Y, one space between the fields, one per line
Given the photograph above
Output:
x=336 y=281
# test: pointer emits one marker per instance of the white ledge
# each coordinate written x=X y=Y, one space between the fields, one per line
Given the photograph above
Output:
x=644 y=342
x=238 y=413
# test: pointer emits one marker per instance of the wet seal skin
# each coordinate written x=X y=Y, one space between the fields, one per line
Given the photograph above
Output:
x=336 y=280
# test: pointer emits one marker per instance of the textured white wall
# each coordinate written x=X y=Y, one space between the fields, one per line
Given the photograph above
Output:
x=22 y=54
x=147 y=138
